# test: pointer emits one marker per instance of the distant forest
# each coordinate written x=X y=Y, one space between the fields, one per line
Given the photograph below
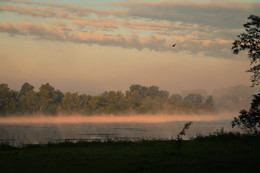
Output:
x=137 y=100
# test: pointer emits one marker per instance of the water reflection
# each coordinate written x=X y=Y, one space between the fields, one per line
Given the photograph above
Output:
x=44 y=133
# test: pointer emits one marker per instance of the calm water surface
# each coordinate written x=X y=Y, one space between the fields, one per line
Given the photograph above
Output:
x=44 y=133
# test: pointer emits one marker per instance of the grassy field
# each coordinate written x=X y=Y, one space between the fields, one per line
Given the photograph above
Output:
x=215 y=153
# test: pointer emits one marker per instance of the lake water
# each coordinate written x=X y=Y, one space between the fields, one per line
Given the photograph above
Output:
x=41 y=133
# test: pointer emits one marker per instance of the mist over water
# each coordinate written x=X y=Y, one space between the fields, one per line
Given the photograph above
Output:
x=44 y=129
x=146 y=118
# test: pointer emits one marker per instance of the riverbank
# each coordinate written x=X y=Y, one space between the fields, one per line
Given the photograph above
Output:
x=225 y=152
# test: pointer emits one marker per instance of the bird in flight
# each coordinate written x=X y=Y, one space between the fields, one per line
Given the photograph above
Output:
x=173 y=45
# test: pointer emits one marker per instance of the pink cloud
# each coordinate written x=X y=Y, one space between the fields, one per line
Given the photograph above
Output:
x=25 y=2
x=98 y=23
x=94 y=37
x=181 y=39
x=147 y=40
x=219 y=14
x=206 y=42
x=41 y=12
x=76 y=10
x=102 y=23
x=154 y=42
x=50 y=32
x=59 y=23
x=159 y=25
x=45 y=12
x=222 y=41
x=217 y=41
x=36 y=30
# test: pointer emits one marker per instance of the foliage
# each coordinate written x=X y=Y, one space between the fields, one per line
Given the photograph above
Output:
x=137 y=100
x=27 y=102
x=25 y=88
x=7 y=100
x=250 y=41
x=249 y=121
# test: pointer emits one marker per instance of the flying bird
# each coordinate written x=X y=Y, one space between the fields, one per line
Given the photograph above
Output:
x=173 y=45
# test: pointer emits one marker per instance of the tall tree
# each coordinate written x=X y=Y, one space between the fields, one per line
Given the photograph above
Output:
x=84 y=107
x=27 y=99
x=25 y=88
x=194 y=98
x=27 y=102
x=250 y=41
x=94 y=103
x=46 y=99
x=67 y=103
x=249 y=121
x=5 y=96
x=175 y=98
x=113 y=99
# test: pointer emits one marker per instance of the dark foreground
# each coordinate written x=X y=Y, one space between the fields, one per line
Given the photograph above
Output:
x=215 y=153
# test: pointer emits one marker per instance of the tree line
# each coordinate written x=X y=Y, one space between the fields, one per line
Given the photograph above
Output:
x=137 y=100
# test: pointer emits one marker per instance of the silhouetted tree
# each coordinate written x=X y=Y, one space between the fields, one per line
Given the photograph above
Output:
x=250 y=41
x=250 y=120
x=179 y=139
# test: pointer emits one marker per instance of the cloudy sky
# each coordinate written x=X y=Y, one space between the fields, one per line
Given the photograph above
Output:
x=95 y=46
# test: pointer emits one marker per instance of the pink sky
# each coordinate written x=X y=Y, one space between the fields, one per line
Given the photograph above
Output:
x=109 y=45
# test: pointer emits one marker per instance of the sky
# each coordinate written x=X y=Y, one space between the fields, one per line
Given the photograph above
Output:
x=95 y=46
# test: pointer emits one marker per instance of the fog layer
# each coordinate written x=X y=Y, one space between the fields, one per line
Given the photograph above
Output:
x=158 y=118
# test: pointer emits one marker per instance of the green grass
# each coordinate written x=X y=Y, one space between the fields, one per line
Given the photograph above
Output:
x=225 y=152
